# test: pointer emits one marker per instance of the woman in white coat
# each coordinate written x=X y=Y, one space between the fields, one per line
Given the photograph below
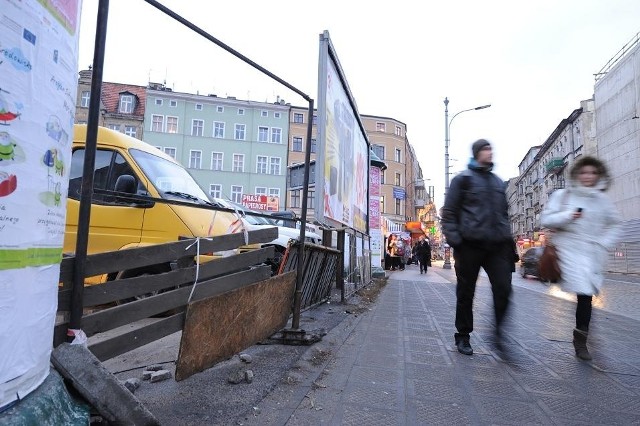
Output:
x=585 y=225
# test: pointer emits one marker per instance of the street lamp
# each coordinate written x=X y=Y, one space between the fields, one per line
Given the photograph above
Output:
x=447 y=126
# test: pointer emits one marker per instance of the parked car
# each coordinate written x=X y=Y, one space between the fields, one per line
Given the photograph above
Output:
x=529 y=262
x=253 y=220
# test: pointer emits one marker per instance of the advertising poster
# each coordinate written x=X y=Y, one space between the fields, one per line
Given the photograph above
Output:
x=344 y=151
x=38 y=80
x=375 y=226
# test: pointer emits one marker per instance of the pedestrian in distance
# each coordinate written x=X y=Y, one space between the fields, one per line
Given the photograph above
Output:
x=475 y=222
x=423 y=253
x=392 y=251
x=574 y=215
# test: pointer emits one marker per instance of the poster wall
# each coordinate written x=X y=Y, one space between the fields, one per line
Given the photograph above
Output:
x=343 y=157
x=38 y=80
x=375 y=226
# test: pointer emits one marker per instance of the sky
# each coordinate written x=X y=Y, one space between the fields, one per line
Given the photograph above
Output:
x=532 y=61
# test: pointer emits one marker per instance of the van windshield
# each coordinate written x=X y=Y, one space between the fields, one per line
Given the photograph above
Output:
x=167 y=176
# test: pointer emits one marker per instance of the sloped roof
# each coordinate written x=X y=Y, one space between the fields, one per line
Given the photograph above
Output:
x=111 y=96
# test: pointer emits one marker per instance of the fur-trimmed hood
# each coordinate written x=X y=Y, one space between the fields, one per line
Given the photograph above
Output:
x=604 y=180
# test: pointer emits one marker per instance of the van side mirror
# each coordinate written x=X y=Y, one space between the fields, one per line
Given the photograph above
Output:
x=127 y=184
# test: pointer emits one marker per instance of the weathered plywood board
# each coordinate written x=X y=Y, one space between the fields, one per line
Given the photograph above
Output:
x=221 y=326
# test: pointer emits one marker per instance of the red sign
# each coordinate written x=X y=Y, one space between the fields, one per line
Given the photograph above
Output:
x=261 y=202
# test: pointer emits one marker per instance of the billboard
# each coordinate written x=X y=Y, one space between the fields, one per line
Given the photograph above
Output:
x=342 y=172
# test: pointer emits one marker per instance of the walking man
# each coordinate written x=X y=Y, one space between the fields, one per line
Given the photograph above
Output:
x=423 y=253
x=475 y=222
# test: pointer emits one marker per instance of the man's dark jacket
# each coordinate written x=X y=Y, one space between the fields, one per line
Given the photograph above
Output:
x=475 y=209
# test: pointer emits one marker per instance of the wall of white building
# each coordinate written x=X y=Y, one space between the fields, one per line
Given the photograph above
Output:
x=616 y=96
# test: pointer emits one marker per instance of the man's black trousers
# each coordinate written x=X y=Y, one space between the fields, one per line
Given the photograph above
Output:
x=497 y=261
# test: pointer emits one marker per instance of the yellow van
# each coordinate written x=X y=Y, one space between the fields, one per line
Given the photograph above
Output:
x=126 y=164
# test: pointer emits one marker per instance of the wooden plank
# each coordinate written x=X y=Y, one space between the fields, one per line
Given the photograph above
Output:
x=130 y=287
x=117 y=316
x=103 y=263
x=218 y=327
x=133 y=339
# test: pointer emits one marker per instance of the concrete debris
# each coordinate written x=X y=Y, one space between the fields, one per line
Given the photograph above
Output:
x=160 y=375
x=156 y=367
x=132 y=384
x=246 y=358
x=146 y=375
x=237 y=376
x=248 y=375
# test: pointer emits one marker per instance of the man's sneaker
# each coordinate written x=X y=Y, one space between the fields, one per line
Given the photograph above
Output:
x=464 y=347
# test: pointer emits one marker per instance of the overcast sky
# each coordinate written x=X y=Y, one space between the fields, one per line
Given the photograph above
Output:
x=533 y=61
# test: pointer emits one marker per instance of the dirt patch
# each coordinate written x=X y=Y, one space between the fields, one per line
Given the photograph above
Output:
x=362 y=300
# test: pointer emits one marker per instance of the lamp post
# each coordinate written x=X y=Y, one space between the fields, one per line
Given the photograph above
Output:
x=447 y=126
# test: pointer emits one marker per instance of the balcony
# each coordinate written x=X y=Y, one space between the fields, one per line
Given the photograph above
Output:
x=420 y=202
x=555 y=165
x=419 y=184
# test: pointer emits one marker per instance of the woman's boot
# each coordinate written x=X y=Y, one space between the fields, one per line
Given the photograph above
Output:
x=580 y=344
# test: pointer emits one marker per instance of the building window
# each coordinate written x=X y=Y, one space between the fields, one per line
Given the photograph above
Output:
x=236 y=194
x=126 y=104
x=173 y=103
x=197 y=128
x=274 y=192
x=261 y=190
x=216 y=160
x=238 y=163
x=398 y=155
x=295 y=199
x=219 y=108
x=315 y=120
x=398 y=131
x=313 y=146
x=158 y=101
x=240 y=132
x=261 y=164
x=195 y=159
x=263 y=134
x=84 y=100
x=298 y=117
x=172 y=124
x=240 y=111
x=264 y=113
x=274 y=165
x=398 y=180
x=382 y=174
x=398 y=205
x=198 y=107
x=157 y=122
x=276 y=135
x=379 y=151
x=215 y=190
x=115 y=127
x=311 y=199
x=381 y=127
x=131 y=131
x=276 y=115
x=297 y=144
x=218 y=129
x=381 y=204
x=171 y=152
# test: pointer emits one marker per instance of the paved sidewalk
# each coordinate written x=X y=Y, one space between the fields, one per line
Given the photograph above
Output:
x=396 y=365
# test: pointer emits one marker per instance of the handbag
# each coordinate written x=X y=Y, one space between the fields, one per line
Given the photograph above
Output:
x=548 y=264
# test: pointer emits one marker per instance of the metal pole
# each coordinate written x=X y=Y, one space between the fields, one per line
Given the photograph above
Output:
x=447 y=250
x=77 y=289
x=295 y=322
